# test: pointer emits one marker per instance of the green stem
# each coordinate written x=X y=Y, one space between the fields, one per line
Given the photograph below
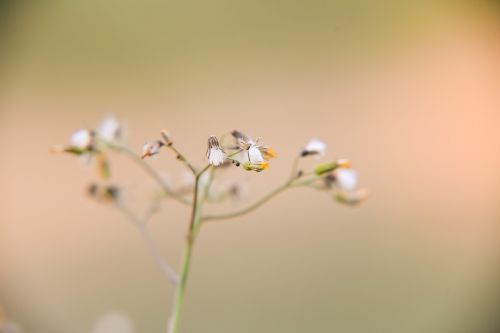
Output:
x=175 y=319
x=194 y=225
x=289 y=184
x=249 y=208
x=181 y=157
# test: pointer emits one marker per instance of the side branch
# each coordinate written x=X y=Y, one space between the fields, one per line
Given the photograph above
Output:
x=142 y=226
x=289 y=184
x=150 y=171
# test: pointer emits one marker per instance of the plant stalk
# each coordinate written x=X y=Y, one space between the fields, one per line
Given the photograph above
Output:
x=175 y=319
x=194 y=225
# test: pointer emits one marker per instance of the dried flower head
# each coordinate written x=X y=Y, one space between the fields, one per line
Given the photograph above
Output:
x=215 y=154
x=151 y=148
x=314 y=147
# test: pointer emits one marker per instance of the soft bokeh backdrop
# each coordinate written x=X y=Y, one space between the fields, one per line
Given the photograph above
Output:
x=408 y=90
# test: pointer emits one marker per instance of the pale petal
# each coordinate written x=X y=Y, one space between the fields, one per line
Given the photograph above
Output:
x=109 y=129
x=216 y=156
x=315 y=146
x=254 y=155
x=347 y=179
x=81 y=139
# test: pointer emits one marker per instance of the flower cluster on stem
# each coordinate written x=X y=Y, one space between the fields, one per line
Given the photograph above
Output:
x=335 y=177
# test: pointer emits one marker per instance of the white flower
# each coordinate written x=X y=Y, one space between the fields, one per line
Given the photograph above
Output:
x=109 y=129
x=151 y=148
x=257 y=153
x=347 y=179
x=215 y=155
x=82 y=139
x=314 y=147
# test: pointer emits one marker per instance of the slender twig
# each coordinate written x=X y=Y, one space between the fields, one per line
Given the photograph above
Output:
x=249 y=208
x=287 y=185
x=206 y=188
x=141 y=224
x=150 y=171
x=181 y=158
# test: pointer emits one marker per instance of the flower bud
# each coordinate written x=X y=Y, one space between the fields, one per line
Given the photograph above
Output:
x=327 y=167
x=151 y=148
x=324 y=168
x=257 y=167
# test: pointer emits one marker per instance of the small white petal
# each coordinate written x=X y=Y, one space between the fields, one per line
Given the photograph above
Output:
x=254 y=155
x=347 y=179
x=81 y=139
x=216 y=156
x=316 y=147
x=109 y=129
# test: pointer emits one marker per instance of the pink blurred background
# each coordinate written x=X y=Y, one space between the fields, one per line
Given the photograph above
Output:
x=409 y=91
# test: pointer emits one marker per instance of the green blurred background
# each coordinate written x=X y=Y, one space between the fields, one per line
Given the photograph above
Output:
x=408 y=90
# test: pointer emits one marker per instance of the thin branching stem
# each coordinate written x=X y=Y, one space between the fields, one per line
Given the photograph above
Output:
x=287 y=185
x=141 y=224
x=182 y=158
x=150 y=171
x=249 y=208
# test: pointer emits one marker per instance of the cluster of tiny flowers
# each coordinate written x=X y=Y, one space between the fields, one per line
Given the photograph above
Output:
x=252 y=155
x=92 y=144
x=336 y=175
x=202 y=184
x=256 y=154
x=88 y=140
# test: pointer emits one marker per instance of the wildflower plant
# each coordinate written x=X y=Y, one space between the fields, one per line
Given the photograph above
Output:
x=234 y=149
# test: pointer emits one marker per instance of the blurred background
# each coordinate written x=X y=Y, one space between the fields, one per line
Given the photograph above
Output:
x=408 y=90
